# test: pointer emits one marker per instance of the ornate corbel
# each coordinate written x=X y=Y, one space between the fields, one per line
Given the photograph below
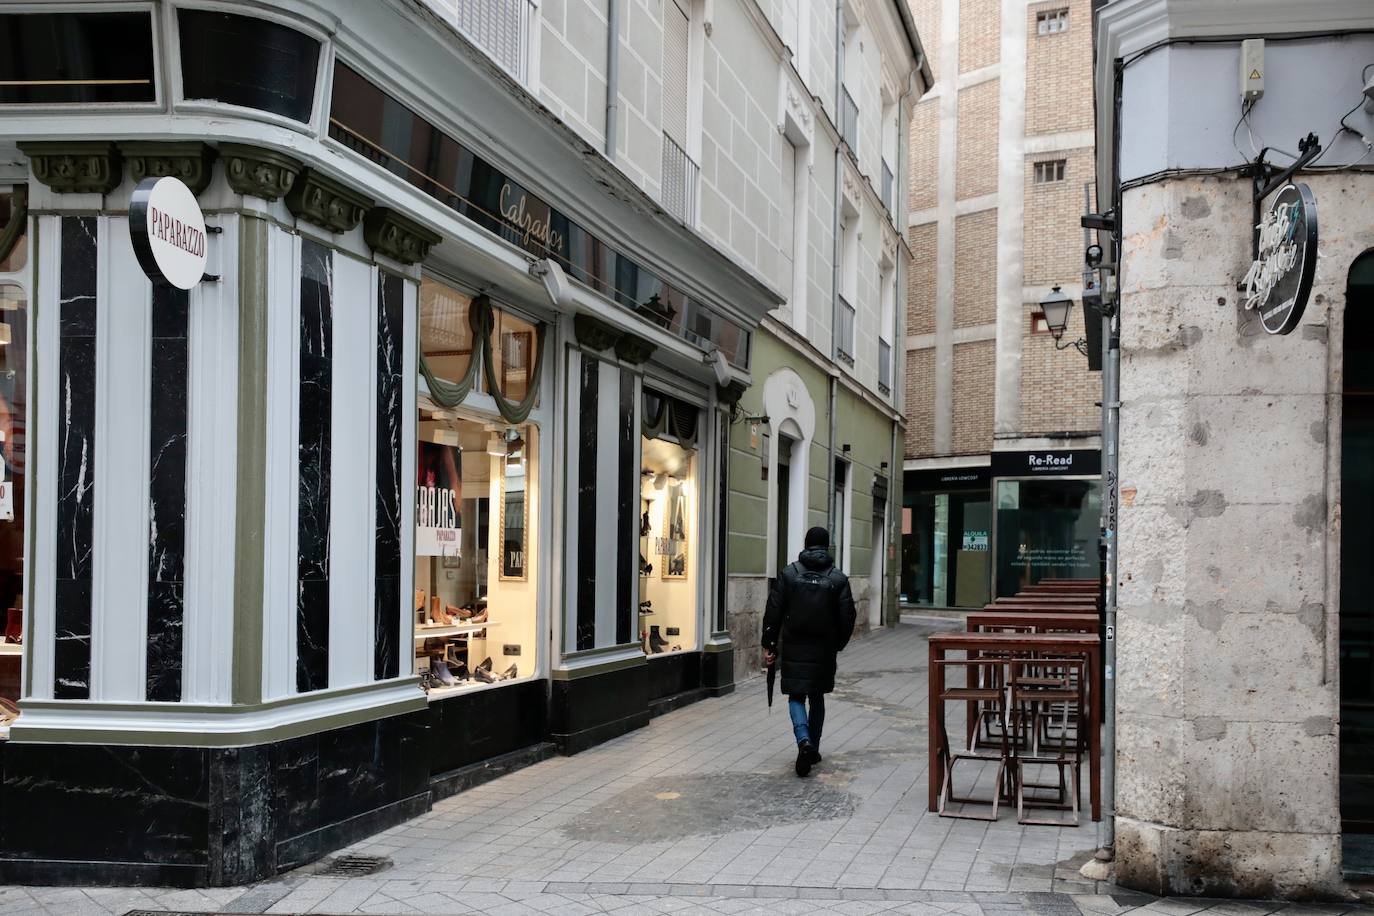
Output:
x=398 y=237
x=258 y=172
x=595 y=334
x=189 y=161
x=75 y=166
x=731 y=393
x=634 y=349
x=329 y=204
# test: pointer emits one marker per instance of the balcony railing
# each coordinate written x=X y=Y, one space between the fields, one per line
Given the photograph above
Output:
x=844 y=332
x=889 y=185
x=502 y=28
x=679 y=182
x=884 y=367
x=849 y=121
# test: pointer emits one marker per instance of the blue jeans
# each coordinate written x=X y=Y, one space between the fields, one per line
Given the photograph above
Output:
x=806 y=726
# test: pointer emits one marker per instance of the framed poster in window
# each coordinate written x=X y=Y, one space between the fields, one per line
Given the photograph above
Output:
x=675 y=532
x=514 y=511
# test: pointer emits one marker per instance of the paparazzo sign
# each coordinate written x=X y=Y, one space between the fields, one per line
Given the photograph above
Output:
x=1048 y=463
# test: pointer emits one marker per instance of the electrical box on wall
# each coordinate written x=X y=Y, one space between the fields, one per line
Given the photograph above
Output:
x=1252 y=70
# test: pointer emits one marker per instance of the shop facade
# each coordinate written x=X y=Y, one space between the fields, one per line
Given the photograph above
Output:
x=237 y=632
x=1244 y=689
x=979 y=528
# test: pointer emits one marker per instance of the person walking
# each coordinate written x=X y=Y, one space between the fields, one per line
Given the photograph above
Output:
x=809 y=619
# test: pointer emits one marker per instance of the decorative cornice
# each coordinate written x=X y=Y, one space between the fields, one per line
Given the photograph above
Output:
x=327 y=203
x=634 y=349
x=258 y=172
x=75 y=166
x=593 y=333
x=398 y=237
x=19 y=218
x=190 y=161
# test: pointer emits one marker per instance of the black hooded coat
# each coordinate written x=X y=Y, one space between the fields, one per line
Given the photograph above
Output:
x=811 y=616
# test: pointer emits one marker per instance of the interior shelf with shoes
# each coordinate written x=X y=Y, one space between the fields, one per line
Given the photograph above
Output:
x=667 y=535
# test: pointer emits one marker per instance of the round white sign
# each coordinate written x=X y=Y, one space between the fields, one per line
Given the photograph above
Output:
x=168 y=232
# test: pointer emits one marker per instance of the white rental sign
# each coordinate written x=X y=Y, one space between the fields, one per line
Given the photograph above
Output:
x=168 y=232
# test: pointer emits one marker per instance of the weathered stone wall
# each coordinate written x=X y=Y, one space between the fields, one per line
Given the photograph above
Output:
x=1228 y=706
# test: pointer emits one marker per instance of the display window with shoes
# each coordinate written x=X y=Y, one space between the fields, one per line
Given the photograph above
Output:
x=475 y=595
x=668 y=577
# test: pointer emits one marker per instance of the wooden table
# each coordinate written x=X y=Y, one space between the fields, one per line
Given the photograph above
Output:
x=1085 y=644
x=1060 y=622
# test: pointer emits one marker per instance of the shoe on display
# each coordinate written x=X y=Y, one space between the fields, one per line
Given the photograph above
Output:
x=510 y=673
x=441 y=672
x=656 y=642
x=676 y=649
x=485 y=665
x=804 y=752
x=461 y=673
x=479 y=617
x=484 y=675
x=644 y=529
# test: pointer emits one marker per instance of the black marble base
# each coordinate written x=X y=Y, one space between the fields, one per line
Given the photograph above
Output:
x=484 y=724
x=475 y=774
x=674 y=674
x=586 y=711
x=666 y=704
x=718 y=672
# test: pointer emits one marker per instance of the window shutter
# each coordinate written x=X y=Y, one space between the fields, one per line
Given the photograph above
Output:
x=675 y=38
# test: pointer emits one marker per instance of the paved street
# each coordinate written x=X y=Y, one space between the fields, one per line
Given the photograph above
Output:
x=700 y=813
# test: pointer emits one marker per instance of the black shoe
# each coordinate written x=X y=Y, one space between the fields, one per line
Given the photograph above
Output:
x=804 y=757
x=656 y=642
x=486 y=664
x=815 y=756
x=484 y=676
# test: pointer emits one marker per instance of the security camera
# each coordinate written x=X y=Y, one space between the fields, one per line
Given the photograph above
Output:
x=1093 y=255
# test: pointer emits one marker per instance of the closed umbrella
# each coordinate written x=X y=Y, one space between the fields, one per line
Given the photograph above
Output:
x=771 y=677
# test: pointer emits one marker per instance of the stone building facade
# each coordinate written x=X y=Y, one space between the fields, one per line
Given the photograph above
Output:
x=1244 y=691
x=1001 y=152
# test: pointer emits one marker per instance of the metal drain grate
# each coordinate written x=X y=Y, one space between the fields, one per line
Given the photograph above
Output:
x=354 y=866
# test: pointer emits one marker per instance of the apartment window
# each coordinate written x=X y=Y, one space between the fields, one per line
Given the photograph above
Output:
x=1039 y=323
x=502 y=28
x=679 y=170
x=884 y=367
x=840 y=502
x=1049 y=171
x=1051 y=22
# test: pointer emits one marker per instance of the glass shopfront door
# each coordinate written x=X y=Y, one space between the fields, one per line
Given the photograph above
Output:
x=1046 y=529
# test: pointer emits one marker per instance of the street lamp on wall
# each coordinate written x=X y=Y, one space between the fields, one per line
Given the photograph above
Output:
x=1056 y=307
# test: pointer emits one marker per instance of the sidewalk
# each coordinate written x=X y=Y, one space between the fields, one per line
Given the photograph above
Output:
x=701 y=813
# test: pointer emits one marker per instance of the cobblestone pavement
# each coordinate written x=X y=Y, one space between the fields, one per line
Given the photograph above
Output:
x=701 y=813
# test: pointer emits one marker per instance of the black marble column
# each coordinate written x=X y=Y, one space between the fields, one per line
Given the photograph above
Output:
x=75 y=458
x=312 y=558
x=627 y=514
x=589 y=392
x=167 y=493
x=390 y=360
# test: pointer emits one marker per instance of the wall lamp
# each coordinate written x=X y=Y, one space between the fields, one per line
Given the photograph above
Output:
x=1056 y=307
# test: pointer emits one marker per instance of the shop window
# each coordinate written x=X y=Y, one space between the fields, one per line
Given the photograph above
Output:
x=667 y=545
x=840 y=537
x=76 y=58
x=513 y=354
x=241 y=60
x=13 y=451
x=474 y=554
x=1046 y=529
x=445 y=335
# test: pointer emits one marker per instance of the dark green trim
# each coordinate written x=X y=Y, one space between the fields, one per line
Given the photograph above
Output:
x=573 y=674
x=189 y=161
x=75 y=166
x=258 y=172
x=634 y=349
x=250 y=517
x=396 y=236
x=19 y=220
x=593 y=333
x=329 y=204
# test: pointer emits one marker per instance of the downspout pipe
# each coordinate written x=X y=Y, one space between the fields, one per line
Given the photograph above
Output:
x=836 y=275
x=612 y=76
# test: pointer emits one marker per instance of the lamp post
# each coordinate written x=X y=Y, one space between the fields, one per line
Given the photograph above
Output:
x=1056 y=307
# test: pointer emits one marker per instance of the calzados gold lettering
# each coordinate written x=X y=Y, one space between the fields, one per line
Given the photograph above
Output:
x=533 y=227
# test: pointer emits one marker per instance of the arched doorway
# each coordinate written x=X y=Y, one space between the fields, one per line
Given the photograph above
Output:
x=1357 y=573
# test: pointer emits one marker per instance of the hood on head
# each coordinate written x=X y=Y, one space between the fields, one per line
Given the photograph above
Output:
x=815 y=558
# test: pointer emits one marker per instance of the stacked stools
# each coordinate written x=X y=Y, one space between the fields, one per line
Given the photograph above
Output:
x=1047 y=703
x=983 y=690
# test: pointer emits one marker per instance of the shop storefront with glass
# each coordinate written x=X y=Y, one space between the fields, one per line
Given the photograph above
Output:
x=421 y=482
x=978 y=532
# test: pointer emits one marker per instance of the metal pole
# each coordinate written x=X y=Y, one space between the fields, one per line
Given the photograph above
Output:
x=1111 y=426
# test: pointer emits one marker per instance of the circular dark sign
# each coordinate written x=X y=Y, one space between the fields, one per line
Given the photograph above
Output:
x=1280 y=279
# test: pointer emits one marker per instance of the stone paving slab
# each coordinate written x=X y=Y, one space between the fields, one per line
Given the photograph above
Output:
x=700 y=813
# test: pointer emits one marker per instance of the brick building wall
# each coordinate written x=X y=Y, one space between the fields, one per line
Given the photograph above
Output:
x=953 y=333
